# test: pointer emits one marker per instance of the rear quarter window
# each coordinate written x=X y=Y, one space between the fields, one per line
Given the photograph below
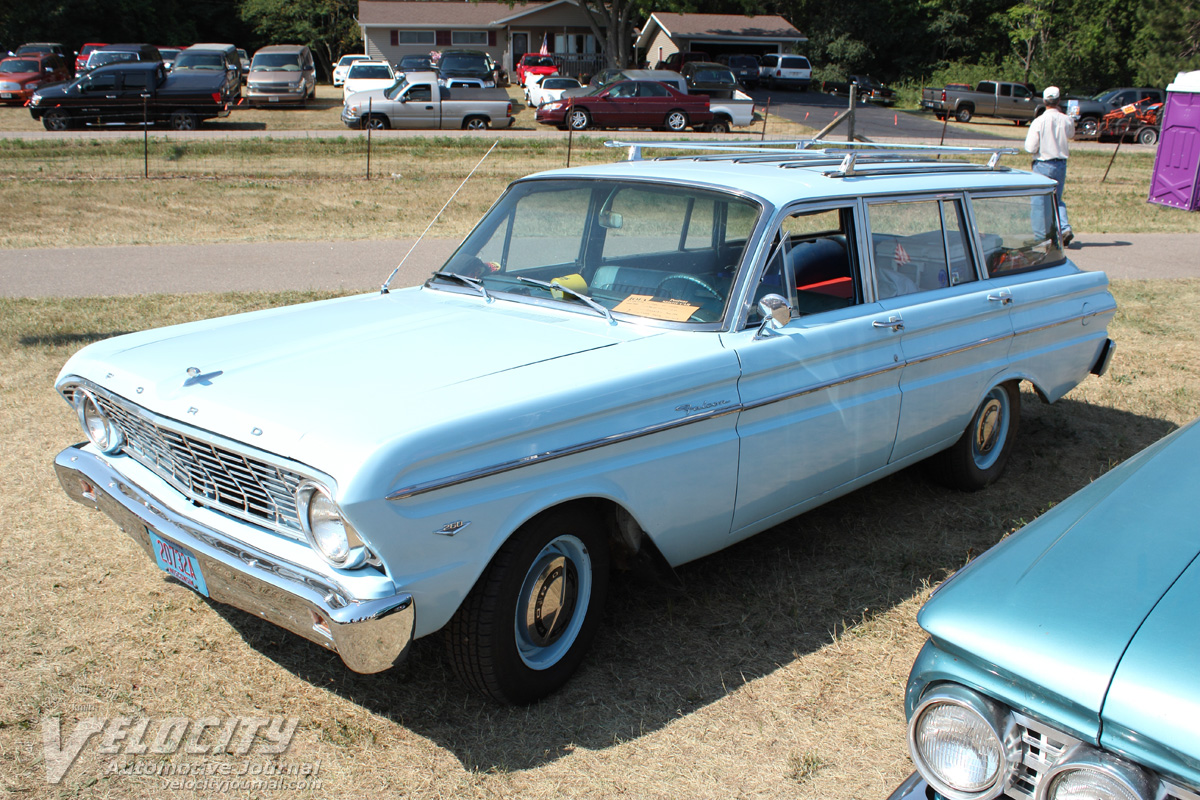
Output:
x=1018 y=233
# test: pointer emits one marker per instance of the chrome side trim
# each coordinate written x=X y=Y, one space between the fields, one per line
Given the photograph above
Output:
x=779 y=398
x=551 y=455
x=956 y=350
x=1056 y=323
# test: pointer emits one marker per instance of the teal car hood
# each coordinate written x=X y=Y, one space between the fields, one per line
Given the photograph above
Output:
x=1052 y=609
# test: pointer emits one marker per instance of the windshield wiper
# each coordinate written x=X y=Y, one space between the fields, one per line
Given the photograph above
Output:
x=552 y=285
x=473 y=283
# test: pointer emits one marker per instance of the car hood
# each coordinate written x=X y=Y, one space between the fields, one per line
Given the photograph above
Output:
x=1054 y=607
x=19 y=76
x=325 y=383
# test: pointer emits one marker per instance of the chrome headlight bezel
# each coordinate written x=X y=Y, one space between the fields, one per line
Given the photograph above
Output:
x=1084 y=758
x=108 y=438
x=353 y=552
x=995 y=717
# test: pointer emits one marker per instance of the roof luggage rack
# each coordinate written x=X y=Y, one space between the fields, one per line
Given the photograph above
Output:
x=850 y=158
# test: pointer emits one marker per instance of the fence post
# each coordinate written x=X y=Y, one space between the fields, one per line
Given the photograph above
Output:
x=766 y=113
x=145 y=136
x=853 y=105
x=570 y=139
x=370 y=118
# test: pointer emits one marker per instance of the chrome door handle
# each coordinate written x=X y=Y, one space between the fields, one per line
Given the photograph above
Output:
x=894 y=322
x=1004 y=297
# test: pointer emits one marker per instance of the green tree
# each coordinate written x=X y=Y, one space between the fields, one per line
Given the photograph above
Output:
x=1028 y=25
x=1168 y=40
x=328 y=27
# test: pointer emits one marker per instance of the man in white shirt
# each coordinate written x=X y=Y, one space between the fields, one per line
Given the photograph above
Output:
x=1048 y=140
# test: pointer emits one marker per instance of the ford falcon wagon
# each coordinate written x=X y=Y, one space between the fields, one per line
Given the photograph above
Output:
x=472 y=455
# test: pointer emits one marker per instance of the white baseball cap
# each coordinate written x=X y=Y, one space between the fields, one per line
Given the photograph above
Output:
x=1051 y=93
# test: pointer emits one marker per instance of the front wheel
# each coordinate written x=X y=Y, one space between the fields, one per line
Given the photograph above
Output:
x=525 y=626
x=579 y=119
x=1147 y=136
x=182 y=120
x=978 y=458
x=375 y=122
x=475 y=124
x=677 y=121
x=56 y=121
x=963 y=114
x=1088 y=126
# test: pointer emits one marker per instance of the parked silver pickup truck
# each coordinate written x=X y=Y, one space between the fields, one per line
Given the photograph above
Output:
x=1015 y=101
x=416 y=101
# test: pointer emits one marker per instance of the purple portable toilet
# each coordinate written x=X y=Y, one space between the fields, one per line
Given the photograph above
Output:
x=1176 y=178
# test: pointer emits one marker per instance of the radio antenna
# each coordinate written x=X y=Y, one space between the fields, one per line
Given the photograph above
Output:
x=384 y=288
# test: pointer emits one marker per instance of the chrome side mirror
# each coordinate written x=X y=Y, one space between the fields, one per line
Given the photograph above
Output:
x=776 y=313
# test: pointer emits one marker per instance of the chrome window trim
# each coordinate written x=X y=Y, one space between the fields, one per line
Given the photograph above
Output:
x=551 y=455
x=68 y=384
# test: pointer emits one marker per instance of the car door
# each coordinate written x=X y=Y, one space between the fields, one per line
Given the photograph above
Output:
x=135 y=101
x=1058 y=313
x=653 y=103
x=954 y=332
x=416 y=108
x=97 y=96
x=615 y=107
x=821 y=395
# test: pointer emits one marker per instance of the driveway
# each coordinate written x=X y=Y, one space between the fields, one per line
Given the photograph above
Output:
x=274 y=266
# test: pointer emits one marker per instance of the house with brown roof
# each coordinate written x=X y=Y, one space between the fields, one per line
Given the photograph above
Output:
x=395 y=28
x=716 y=34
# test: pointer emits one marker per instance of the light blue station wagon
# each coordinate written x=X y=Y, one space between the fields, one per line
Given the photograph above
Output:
x=1063 y=662
x=649 y=359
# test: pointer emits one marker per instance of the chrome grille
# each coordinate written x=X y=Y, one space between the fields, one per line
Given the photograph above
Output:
x=214 y=476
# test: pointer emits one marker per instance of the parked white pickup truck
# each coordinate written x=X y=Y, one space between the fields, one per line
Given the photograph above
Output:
x=416 y=101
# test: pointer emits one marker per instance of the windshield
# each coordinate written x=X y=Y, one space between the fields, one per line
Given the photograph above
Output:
x=275 y=62
x=19 y=66
x=465 y=63
x=560 y=83
x=370 y=72
x=207 y=61
x=395 y=89
x=99 y=58
x=346 y=60
x=539 y=61
x=664 y=252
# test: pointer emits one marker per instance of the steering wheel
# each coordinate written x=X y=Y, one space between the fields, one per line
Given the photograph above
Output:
x=686 y=278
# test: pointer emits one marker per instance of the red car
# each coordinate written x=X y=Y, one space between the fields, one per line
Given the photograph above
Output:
x=81 y=56
x=21 y=76
x=628 y=104
x=535 y=63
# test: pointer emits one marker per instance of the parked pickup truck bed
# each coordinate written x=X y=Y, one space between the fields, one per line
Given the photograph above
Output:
x=1014 y=101
x=416 y=101
x=133 y=92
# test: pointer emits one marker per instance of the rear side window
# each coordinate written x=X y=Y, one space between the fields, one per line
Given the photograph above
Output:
x=795 y=62
x=1018 y=234
x=770 y=61
x=919 y=246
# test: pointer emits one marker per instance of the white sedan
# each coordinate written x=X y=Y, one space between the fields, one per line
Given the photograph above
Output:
x=366 y=75
x=549 y=89
x=344 y=64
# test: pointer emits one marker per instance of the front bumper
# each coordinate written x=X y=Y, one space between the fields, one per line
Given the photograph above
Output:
x=913 y=788
x=370 y=635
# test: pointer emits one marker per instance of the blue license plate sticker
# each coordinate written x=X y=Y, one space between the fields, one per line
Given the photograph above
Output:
x=178 y=563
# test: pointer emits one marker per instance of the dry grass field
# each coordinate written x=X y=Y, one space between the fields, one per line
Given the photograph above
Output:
x=70 y=192
x=776 y=671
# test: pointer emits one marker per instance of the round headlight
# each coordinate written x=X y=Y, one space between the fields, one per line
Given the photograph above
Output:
x=100 y=430
x=962 y=744
x=326 y=529
x=1089 y=774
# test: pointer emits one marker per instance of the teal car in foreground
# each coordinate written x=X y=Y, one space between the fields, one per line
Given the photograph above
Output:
x=1063 y=663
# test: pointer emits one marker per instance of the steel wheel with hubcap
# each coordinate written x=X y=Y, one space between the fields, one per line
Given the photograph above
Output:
x=375 y=122
x=978 y=458
x=530 y=618
x=1148 y=136
x=963 y=114
x=475 y=124
x=718 y=126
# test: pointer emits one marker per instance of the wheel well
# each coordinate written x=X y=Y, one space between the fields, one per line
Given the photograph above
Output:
x=968 y=106
x=631 y=547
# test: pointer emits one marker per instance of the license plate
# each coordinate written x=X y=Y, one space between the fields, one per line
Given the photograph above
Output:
x=6 y=95
x=272 y=99
x=178 y=563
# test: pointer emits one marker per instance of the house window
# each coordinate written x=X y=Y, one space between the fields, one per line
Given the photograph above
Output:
x=412 y=37
x=461 y=38
x=575 y=43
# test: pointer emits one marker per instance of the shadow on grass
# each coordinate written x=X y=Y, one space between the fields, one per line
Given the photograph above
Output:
x=743 y=613
x=61 y=339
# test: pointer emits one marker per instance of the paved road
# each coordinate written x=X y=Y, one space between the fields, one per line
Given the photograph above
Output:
x=86 y=271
